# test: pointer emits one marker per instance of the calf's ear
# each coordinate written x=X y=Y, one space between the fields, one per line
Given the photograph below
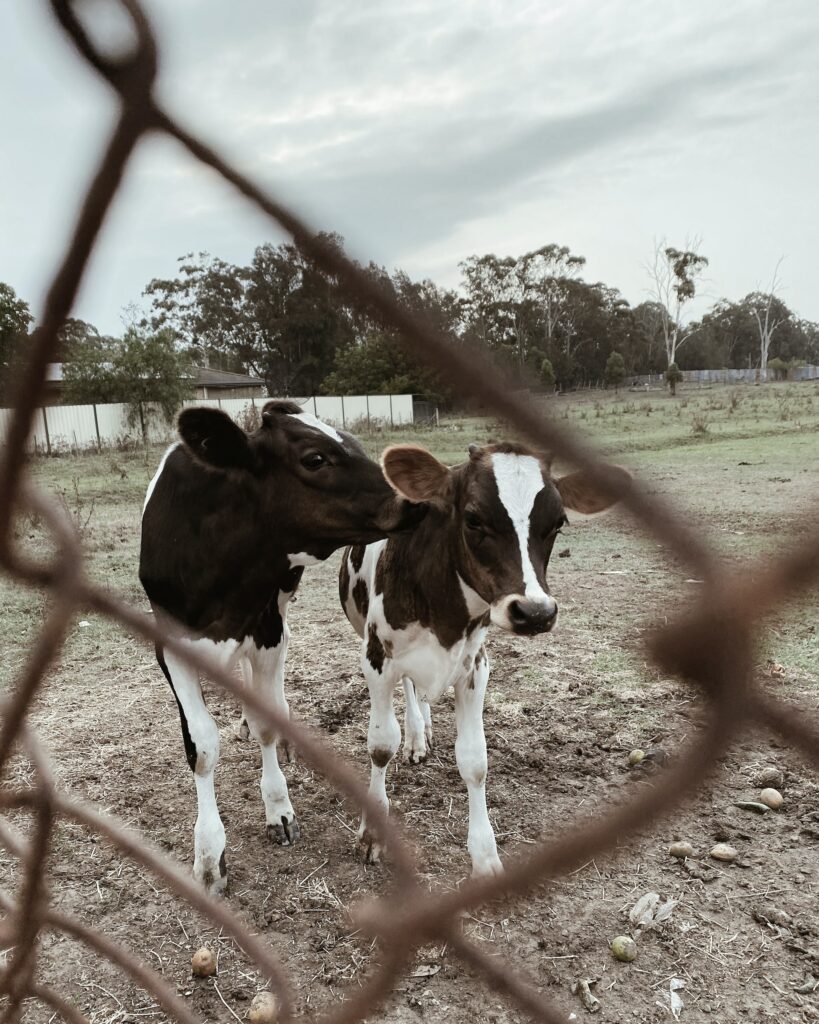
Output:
x=416 y=474
x=212 y=437
x=583 y=494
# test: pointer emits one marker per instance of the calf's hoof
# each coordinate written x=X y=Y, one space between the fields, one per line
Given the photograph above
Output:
x=284 y=832
x=487 y=867
x=415 y=755
x=212 y=874
x=370 y=847
x=242 y=730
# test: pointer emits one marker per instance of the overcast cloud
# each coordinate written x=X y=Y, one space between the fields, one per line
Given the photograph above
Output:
x=426 y=132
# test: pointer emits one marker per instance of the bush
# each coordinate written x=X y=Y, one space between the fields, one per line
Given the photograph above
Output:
x=673 y=376
x=615 y=371
x=249 y=418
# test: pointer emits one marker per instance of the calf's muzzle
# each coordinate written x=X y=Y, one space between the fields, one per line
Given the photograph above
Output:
x=528 y=617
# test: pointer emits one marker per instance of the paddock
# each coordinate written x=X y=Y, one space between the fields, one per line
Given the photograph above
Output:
x=563 y=713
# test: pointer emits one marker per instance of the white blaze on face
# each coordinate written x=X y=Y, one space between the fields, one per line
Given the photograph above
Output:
x=311 y=421
x=519 y=481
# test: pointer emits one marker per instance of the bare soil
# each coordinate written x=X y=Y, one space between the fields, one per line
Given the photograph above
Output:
x=563 y=712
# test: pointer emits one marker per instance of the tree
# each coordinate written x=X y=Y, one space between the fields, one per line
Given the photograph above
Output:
x=88 y=371
x=380 y=365
x=615 y=371
x=15 y=319
x=768 y=318
x=648 y=338
x=515 y=305
x=204 y=305
x=145 y=371
x=281 y=318
x=547 y=272
x=153 y=378
x=673 y=376
x=726 y=336
x=674 y=277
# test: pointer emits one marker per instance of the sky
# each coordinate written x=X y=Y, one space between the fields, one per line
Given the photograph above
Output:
x=426 y=132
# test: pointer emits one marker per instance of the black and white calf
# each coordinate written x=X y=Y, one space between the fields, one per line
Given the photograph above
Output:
x=422 y=602
x=229 y=522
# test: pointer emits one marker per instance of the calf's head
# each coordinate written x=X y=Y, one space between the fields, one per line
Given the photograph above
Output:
x=500 y=512
x=303 y=477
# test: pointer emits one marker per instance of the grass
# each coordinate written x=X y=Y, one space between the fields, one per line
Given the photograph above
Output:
x=745 y=479
x=567 y=708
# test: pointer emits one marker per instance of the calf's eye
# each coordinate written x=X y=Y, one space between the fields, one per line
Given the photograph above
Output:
x=472 y=521
x=313 y=460
x=556 y=529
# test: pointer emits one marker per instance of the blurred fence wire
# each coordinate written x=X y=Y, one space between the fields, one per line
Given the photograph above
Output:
x=711 y=646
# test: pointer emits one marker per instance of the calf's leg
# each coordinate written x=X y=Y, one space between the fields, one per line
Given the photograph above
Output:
x=242 y=728
x=426 y=714
x=268 y=681
x=383 y=738
x=201 y=736
x=470 y=753
x=415 y=744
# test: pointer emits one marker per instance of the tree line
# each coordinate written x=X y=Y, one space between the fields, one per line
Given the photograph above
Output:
x=285 y=320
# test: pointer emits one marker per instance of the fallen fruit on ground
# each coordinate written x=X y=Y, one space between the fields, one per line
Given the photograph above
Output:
x=264 y=1009
x=681 y=850
x=722 y=851
x=203 y=963
x=771 y=798
x=624 y=948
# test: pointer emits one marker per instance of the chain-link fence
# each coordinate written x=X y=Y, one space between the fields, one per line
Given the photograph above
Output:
x=710 y=646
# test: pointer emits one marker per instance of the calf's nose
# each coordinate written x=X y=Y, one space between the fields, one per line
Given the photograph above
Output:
x=532 y=616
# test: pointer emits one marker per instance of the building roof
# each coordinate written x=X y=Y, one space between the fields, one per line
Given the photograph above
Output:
x=209 y=378
x=204 y=377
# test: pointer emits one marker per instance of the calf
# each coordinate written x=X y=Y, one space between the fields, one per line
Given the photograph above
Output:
x=229 y=522
x=422 y=602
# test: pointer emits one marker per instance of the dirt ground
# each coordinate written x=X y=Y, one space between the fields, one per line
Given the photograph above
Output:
x=563 y=712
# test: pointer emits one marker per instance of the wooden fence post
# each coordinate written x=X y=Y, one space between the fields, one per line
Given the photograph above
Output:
x=45 y=424
x=97 y=428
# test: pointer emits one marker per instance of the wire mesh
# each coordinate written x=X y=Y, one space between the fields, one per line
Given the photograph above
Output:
x=711 y=646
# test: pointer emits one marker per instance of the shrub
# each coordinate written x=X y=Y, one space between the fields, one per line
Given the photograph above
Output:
x=249 y=418
x=547 y=373
x=673 y=376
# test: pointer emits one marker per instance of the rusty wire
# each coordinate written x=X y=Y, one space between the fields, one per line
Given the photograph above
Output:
x=711 y=647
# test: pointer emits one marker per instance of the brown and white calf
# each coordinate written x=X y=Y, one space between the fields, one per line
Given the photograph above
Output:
x=422 y=602
x=229 y=522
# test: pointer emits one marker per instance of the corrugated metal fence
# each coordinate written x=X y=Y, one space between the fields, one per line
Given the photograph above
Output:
x=747 y=376
x=65 y=428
